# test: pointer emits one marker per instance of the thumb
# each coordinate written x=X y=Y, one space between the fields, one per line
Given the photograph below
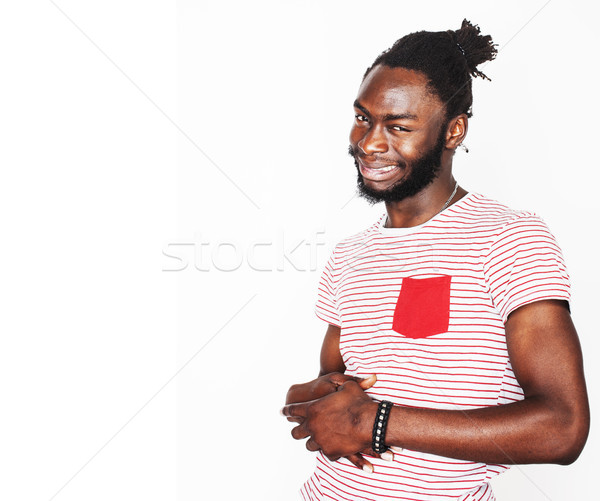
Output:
x=366 y=383
x=338 y=379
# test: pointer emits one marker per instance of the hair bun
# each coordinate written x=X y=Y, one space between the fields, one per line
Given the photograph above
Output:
x=477 y=48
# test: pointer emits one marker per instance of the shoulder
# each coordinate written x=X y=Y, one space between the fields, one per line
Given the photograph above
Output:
x=498 y=218
x=487 y=210
x=359 y=239
x=353 y=245
x=513 y=232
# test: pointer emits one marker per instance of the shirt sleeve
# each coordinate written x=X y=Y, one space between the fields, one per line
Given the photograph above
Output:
x=525 y=264
x=326 y=307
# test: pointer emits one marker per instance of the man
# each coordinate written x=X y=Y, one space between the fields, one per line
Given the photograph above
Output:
x=450 y=351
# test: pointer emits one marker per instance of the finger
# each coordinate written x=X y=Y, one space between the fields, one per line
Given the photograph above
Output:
x=294 y=410
x=366 y=383
x=311 y=445
x=337 y=378
x=360 y=462
x=300 y=432
x=386 y=456
x=298 y=420
x=350 y=382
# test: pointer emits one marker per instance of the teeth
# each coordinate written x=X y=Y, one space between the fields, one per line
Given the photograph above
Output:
x=385 y=169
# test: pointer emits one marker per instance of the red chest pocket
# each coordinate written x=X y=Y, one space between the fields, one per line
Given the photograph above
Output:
x=423 y=307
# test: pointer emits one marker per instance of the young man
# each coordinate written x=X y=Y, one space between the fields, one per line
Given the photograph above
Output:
x=450 y=350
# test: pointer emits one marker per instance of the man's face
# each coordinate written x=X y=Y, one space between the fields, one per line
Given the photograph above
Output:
x=398 y=135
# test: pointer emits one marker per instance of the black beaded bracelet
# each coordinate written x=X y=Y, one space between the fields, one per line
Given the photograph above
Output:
x=380 y=425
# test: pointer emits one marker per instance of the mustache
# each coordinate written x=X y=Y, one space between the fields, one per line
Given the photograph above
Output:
x=354 y=153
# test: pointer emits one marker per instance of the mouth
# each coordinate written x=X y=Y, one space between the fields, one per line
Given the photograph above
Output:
x=377 y=172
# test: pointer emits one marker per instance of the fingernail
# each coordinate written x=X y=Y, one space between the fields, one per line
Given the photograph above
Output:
x=281 y=412
x=397 y=450
x=387 y=456
x=367 y=468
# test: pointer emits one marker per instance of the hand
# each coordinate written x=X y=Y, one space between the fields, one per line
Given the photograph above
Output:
x=339 y=424
x=360 y=462
x=323 y=386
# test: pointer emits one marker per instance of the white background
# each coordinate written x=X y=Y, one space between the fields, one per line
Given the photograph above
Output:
x=125 y=379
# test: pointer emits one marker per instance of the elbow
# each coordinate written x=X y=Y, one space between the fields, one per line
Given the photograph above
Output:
x=570 y=455
x=572 y=449
x=572 y=438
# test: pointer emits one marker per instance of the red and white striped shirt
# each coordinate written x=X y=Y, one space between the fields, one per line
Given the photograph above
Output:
x=424 y=309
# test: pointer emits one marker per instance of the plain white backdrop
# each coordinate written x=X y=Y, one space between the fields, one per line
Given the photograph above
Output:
x=174 y=175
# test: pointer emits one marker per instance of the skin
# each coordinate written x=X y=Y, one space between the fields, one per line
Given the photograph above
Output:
x=379 y=139
x=551 y=423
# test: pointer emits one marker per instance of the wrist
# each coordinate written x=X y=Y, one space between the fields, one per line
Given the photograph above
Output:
x=379 y=443
x=368 y=415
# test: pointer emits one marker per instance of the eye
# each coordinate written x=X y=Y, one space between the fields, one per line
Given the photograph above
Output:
x=361 y=118
x=399 y=128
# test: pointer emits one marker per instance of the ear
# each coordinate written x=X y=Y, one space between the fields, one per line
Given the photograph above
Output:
x=456 y=131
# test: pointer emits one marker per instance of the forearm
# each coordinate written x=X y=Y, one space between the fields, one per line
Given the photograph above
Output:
x=549 y=426
x=530 y=431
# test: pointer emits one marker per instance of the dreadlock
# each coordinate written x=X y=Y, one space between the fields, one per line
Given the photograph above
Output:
x=449 y=59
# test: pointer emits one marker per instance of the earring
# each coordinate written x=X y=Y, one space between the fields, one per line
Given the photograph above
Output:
x=464 y=147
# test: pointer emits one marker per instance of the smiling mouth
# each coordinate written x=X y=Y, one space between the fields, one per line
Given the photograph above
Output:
x=383 y=169
x=379 y=173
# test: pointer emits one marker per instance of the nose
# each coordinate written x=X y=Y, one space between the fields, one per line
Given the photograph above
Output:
x=373 y=141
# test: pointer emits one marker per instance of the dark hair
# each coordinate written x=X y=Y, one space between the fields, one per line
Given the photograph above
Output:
x=448 y=59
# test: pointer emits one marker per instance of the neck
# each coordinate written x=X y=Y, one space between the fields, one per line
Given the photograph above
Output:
x=421 y=207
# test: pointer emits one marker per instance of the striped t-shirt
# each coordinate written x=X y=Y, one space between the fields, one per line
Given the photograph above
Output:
x=424 y=309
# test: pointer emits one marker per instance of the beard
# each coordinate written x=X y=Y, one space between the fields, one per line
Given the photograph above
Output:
x=423 y=171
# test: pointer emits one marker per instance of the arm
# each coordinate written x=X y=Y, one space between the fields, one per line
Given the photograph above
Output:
x=331 y=375
x=331 y=358
x=550 y=425
x=331 y=378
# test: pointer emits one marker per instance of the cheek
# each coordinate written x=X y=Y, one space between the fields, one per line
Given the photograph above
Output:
x=411 y=148
x=411 y=152
x=356 y=134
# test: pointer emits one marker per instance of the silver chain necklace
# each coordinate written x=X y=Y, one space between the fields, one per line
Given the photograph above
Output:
x=387 y=219
x=451 y=197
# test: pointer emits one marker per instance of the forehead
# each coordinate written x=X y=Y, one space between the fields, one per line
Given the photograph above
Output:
x=388 y=90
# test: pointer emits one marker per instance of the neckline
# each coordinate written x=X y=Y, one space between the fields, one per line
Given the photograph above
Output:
x=412 y=229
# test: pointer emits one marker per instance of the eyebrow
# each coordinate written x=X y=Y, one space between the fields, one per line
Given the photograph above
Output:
x=389 y=116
